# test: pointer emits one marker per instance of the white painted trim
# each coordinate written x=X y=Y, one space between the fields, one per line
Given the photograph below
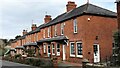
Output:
x=43 y=33
x=64 y=55
x=44 y=48
x=74 y=25
x=52 y=49
x=62 y=28
x=98 y=57
x=72 y=55
x=48 y=31
x=55 y=30
x=47 y=50
x=77 y=50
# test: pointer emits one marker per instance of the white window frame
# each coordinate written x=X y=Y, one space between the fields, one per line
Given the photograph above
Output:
x=48 y=31
x=72 y=55
x=62 y=28
x=77 y=50
x=53 y=49
x=36 y=36
x=55 y=28
x=44 y=33
x=75 y=25
x=44 y=48
x=58 y=53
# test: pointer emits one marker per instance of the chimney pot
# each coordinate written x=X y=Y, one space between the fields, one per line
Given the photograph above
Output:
x=34 y=26
x=71 y=5
x=47 y=18
x=24 y=32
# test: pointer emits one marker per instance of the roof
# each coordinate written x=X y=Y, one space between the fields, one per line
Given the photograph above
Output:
x=8 y=51
x=22 y=37
x=86 y=9
x=36 y=30
x=19 y=47
x=31 y=44
x=58 y=38
x=12 y=49
x=117 y=1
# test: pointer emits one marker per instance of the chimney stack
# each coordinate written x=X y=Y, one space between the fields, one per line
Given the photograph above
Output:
x=33 y=27
x=47 y=18
x=24 y=32
x=71 y=5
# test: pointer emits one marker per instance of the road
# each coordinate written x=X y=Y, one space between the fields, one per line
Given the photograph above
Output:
x=7 y=64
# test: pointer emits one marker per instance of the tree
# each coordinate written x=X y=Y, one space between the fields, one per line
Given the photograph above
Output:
x=117 y=48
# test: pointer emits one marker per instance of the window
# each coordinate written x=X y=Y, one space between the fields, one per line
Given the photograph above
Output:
x=75 y=25
x=79 y=49
x=36 y=36
x=30 y=38
x=62 y=28
x=58 y=49
x=53 y=49
x=48 y=31
x=55 y=30
x=44 y=33
x=44 y=47
x=72 y=49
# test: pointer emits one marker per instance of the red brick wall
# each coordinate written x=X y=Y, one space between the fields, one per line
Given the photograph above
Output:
x=102 y=27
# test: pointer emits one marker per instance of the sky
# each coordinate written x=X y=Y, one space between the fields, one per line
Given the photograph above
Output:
x=17 y=15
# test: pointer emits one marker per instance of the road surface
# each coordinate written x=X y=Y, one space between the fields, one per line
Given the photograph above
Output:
x=8 y=64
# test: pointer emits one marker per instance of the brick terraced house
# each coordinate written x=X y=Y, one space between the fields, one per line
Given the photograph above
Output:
x=84 y=32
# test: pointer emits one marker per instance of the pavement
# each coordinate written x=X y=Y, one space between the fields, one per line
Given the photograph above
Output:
x=65 y=64
x=8 y=64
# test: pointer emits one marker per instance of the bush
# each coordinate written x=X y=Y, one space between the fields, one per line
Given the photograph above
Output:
x=38 y=62
x=18 y=56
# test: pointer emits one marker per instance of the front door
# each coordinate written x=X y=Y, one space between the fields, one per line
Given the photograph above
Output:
x=64 y=52
x=49 y=51
x=96 y=53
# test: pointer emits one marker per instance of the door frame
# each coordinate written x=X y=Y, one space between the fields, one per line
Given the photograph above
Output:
x=96 y=56
x=64 y=53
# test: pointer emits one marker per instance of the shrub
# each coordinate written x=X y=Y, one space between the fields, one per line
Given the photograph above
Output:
x=30 y=52
x=18 y=56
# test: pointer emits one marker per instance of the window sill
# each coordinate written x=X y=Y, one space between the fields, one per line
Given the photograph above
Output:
x=58 y=55
x=79 y=56
x=62 y=34
x=53 y=54
x=75 y=32
x=72 y=55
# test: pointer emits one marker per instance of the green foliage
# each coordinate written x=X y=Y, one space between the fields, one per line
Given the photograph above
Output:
x=18 y=56
x=117 y=37
x=117 y=44
x=30 y=52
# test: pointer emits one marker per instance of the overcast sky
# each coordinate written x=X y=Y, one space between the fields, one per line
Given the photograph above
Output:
x=16 y=15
